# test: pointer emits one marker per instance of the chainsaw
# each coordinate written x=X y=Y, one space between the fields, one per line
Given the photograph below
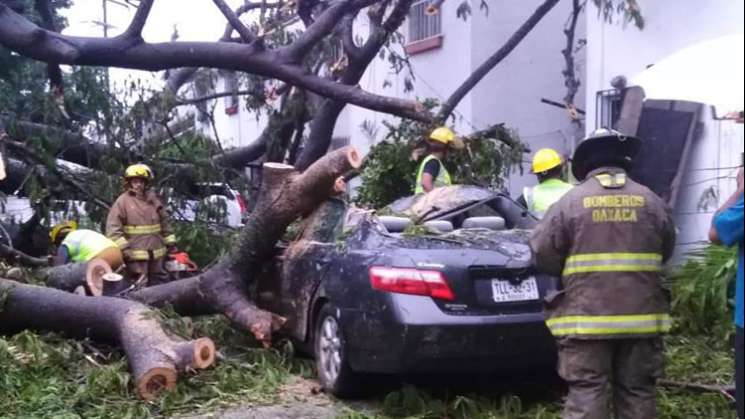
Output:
x=180 y=262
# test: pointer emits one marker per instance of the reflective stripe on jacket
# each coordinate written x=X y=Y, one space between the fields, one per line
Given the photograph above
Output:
x=540 y=197
x=84 y=245
x=608 y=239
x=140 y=226
x=443 y=178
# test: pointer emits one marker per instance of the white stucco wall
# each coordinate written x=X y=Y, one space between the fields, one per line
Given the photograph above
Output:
x=709 y=179
x=709 y=176
x=671 y=25
x=512 y=92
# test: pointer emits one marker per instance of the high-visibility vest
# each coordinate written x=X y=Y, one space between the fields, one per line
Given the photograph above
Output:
x=540 y=197
x=443 y=178
x=84 y=245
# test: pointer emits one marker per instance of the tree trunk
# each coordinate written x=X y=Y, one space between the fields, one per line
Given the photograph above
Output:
x=286 y=195
x=154 y=356
x=72 y=275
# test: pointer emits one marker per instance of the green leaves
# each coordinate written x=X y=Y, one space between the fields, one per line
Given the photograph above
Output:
x=390 y=169
x=628 y=11
x=702 y=289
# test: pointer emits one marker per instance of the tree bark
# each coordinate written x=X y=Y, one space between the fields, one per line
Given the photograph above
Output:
x=154 y=356
x=72 y=275
x=131 y=51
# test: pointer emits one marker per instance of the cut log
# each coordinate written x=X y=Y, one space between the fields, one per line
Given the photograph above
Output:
x=69 y=277
x=154 y=356
x=286 y=195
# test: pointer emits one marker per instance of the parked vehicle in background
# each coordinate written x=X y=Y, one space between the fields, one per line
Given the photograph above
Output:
x=455 y=292
x=216 y=203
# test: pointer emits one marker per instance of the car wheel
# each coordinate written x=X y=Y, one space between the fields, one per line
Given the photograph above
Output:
x=329 y=349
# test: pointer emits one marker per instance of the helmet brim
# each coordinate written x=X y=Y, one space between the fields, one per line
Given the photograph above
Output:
x=624 y=146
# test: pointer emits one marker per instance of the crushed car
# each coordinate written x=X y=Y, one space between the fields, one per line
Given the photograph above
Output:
x=443 y=283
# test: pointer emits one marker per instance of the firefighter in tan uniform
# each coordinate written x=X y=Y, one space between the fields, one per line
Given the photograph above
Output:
x=138 y=224
x=608 y=239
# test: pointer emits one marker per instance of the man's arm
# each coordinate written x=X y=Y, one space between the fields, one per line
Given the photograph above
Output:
x=716 y=231
x=550 y=242
x=115 y=226
x=63 y=256
x=431 y=171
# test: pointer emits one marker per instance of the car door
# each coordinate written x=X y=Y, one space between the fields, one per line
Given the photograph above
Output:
x=305 y=263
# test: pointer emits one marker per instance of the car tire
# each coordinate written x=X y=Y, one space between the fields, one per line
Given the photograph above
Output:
x=330 y=353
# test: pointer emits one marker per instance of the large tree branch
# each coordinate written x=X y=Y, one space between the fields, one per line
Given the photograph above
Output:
x=68 y=145
x=494 y=60
x=24 y=37
x=324 y=122
x=53 y=70
x=139 y=20
x=571 y=81
x=234 y=21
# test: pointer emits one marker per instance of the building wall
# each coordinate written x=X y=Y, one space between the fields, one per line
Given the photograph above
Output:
x=709 y=176
x=671 y=25
x=512 y=92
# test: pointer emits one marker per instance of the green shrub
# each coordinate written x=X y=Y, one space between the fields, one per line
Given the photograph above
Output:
x=702 y=289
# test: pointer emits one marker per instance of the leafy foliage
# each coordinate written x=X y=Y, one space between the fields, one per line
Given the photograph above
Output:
x=47 y=376
x=629 y=11
x=390 y=169
x=702 y=290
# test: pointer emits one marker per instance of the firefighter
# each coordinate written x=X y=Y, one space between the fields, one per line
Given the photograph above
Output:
x=608 y=239
x=79 y=246
x=432 y=173
x=139 y=225
x=548 y=167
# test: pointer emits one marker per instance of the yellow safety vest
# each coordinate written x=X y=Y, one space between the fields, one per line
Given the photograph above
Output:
x=540 y=197
x=84 y=245
x=443 y=178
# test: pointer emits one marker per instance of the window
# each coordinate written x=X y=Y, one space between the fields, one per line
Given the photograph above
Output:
x=423 y=24
x=608 y=108
x=231 y=85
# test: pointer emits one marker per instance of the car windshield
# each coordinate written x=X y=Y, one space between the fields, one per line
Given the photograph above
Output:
x=440 y=201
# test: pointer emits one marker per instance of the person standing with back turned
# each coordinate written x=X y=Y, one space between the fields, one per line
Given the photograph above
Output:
x=608 y=239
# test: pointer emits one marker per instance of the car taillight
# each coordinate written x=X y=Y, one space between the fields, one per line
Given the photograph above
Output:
x=241 y=203
x=411 y=281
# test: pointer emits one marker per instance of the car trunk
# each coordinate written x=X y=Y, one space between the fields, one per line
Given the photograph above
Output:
x=486 y=282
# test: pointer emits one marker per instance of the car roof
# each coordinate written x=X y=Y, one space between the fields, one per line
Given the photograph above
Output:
x=442 y=202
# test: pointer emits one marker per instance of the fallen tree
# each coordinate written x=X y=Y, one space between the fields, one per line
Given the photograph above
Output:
x=154 y=356
x=73 y=275
x=286 y=194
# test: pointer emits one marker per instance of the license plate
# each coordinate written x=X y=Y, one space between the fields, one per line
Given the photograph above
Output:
x=506 y=292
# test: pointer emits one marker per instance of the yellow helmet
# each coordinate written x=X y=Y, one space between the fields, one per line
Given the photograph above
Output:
x=546 y=159
x=446 y=136
x=60 y=228
x=138 y=171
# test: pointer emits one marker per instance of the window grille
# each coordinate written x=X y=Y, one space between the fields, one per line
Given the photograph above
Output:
x=423 y=25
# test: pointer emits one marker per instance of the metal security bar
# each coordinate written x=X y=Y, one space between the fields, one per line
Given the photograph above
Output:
x=608 y=108
x=421 y=24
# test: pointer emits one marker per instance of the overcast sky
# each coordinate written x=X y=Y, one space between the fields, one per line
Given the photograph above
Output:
x=197 y=20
